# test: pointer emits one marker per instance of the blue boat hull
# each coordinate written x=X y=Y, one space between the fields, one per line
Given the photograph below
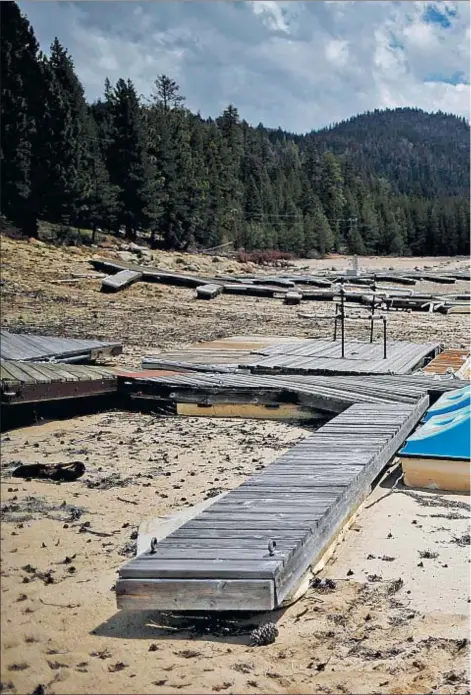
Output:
x=445 y=436
x=450 y=402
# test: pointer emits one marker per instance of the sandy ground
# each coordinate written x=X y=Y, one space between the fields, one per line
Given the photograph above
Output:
x=39 y=296
x=370 y=263
x=62 y=544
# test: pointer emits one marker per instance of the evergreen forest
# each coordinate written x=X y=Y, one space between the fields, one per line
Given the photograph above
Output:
x=385 y=182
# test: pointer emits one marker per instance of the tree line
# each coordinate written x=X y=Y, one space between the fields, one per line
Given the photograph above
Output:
x=151 y=164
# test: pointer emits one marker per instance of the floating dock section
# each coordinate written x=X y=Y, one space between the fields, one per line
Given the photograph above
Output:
x=41 y=348
x=250 y=549
x=329 y=395
x=323 y=357
x=114 y=283
x=298 y=356
x=30 y=382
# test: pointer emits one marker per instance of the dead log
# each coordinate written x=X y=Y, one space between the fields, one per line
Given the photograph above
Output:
x=59 y=472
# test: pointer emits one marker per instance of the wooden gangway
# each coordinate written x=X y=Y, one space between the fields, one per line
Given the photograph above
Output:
x=249 y=549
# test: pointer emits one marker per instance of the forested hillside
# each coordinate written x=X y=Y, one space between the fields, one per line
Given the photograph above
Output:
x=386 y=182
x=421 y=154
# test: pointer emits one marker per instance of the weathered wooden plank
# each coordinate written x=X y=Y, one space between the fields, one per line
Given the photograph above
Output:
x=241 y=553
x=5 y=373
x=25 y=347
x=283 y=543
x=230 y=534
x=48 y=372
x=208 y=569
x=17 y=371
x=35 y=374
x=300 y=482
x=281 y=492
x=250 y=523
x=333 y=521
x=206 y=595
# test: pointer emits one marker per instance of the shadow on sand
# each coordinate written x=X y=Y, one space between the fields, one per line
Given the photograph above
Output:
x=226 y=627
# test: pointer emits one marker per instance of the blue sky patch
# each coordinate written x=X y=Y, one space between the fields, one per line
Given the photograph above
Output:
x=434 y=16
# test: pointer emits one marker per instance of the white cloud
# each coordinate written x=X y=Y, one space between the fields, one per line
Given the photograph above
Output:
x=337 y=52
x=421 y=35
x=297 y=64
x=271 y=14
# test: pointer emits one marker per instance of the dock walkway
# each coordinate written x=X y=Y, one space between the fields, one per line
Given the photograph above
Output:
x=226 y=558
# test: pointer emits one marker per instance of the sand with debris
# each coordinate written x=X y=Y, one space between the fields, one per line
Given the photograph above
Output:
x=397 y=619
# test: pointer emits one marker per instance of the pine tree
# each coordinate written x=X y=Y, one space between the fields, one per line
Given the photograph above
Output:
x=103 y=196
x=419 y=214
x=349 y=225
x=323 y=231
x=355 y=243
x=253 y=201
x=215 y=204
x=461 y=209
x=167 y=93
x=130 y=166
x=331 y=194
x=369 y=225
x=231 y=153
x=433 y=230
x=66 y=146
x=181 y=191
x=21 y=80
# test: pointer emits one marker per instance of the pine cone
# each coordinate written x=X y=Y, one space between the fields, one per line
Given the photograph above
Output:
x=323 y=585
x=266 y=634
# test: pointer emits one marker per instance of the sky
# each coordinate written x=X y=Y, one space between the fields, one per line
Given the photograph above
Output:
x=297 y=65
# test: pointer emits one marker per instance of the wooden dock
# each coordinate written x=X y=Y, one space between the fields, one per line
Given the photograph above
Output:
x=37 y=348
x=250 y=549
x=30 y=382
x=448 y=361
x=324 y=357
x=224 y=558
x=325 y=395
x=302 y=356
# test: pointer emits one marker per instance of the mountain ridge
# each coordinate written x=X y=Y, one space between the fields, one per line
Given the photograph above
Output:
x=388 y=182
